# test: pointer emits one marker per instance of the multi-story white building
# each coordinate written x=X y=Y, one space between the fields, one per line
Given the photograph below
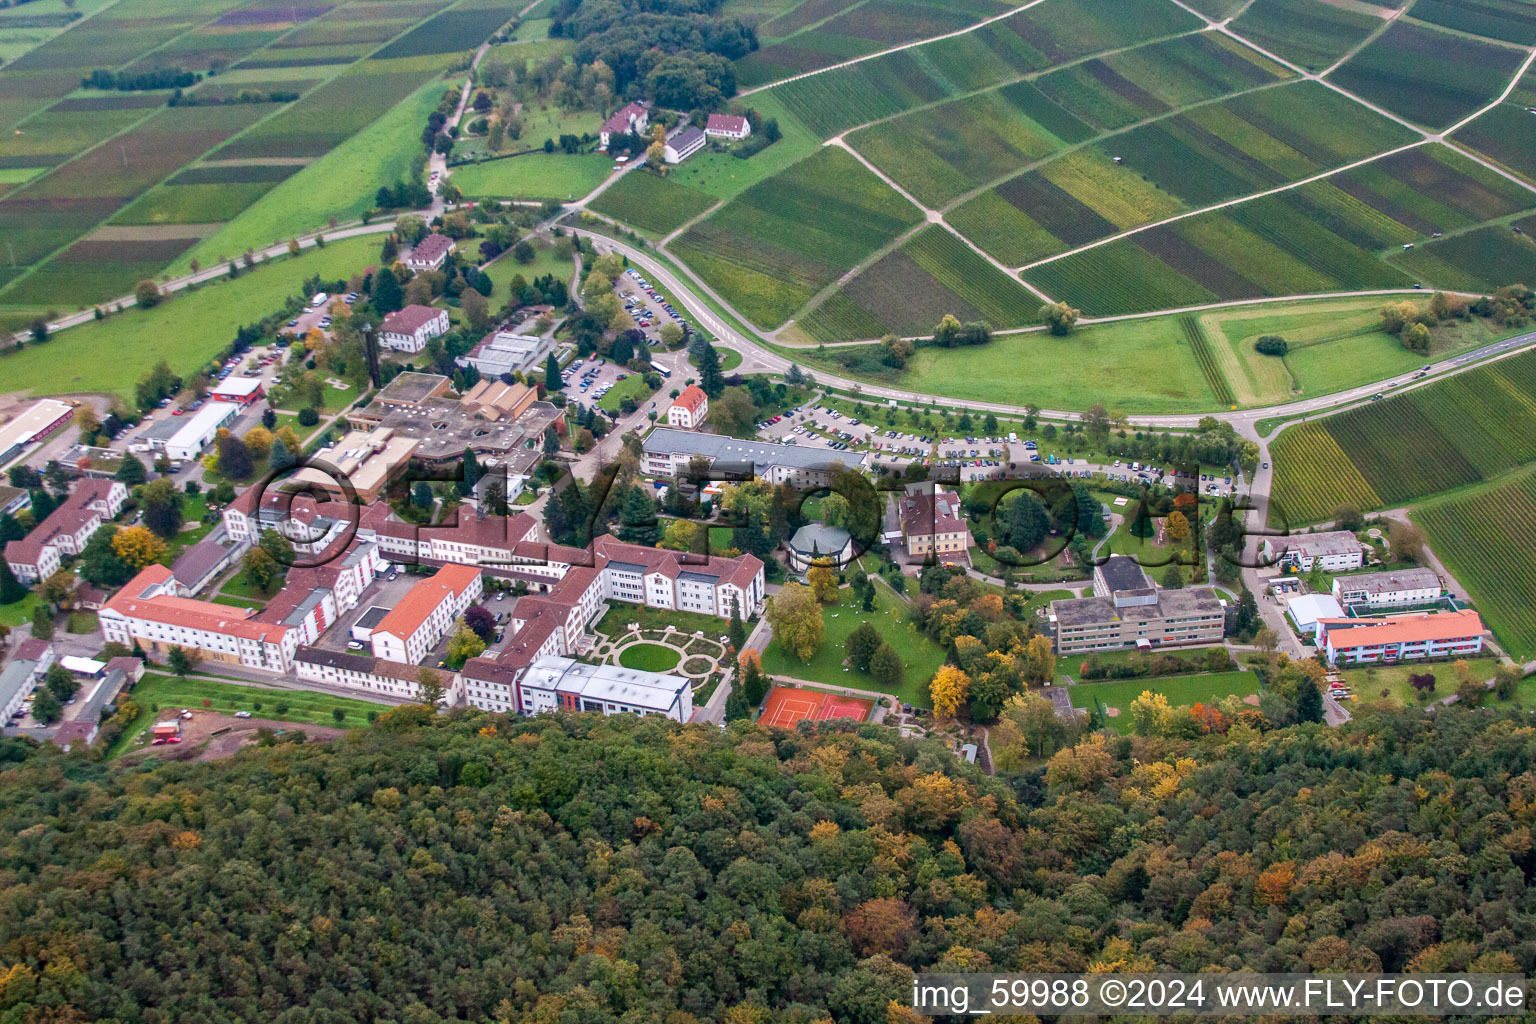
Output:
x=727 y=126
x=1401 y=588
x=1128 y=610
x=689 y=409
x=409 y=329
x=66 y=530
x=1339 y=551
x=426 y=613
x=1401 y=637
x=560 y=684
x=147 y=611
x=631 y=117
x=26 y=668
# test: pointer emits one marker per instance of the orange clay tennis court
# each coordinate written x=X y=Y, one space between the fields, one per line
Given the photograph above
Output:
x=788 y=705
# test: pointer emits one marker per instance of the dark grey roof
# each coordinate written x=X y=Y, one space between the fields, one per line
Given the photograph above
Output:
x=634 y=567
x=335 y=659
x=372 y=617
x=698 y=577
x=1122 y=573
x=198 y=561
x=728 y=451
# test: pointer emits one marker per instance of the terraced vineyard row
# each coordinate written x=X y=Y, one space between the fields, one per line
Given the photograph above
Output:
x=1209 y=368
x=1459 y=431
x=1486 y=541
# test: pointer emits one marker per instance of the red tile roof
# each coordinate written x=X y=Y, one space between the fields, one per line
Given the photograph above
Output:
x=422 y=600
x=188 y=612
x=725 y=123
x=1401 y=629
x=692 y=399
x=410 y=319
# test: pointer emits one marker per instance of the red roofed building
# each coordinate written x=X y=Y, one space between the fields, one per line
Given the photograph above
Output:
x=147 y=611
x=632 y=117
x=727 y=126
x=931 y=526
x=689 y=409
x=429 y=254
x=1401 y=637
x=409 y=329
x=66 y=529
x=426 y=613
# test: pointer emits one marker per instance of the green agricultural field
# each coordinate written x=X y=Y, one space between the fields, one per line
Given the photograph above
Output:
x=1206 y=688
x=939 y=152
x=1479 y=261
x=774 y=246
x=1131 y=85
x=1506 y=134
x=1137 y=366
x=920 y=656
x=535 y=176
x=1467 y=428
x=1311 y=33
x=909 y=290
x=113 y=354
x=340 y=184
x=1509 y=20
x=1485 y=539
x=651 y=202
x=1430 y=77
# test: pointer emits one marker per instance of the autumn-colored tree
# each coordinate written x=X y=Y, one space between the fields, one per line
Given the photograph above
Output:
x=258 y=441
x=1150 y=714
x=137 y=546
x=1273 y=887
x=883 y=925
x=795 y=615
x=1176 y=525
x=1039 y=660
x=948 y=689
x=823 y=580
x=464 y=644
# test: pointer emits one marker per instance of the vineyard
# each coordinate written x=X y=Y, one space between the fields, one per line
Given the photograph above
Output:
x=1310 y=33
x=1485 y=540
x=649 y=201
x=1467 y=428
x=909 y=290
x=1207 y=360
x=769 y=250
x=1428 y=76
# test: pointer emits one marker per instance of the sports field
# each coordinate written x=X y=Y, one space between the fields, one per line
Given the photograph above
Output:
x=788 y=705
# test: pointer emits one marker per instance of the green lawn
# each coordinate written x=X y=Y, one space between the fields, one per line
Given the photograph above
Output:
x=193 y=507
x=729 y=360
x=240 y=587
x=1368 y=683
x=921 y=656
x=187 y=330
x=340 y=184
x=534 y=176
x=633 y=386
x=82 y=622
x=304 y=706
x=545 y=261
x=620 y=615
x=17 y=612
x=723 y=175
x=1205 y=688
x=649 y=658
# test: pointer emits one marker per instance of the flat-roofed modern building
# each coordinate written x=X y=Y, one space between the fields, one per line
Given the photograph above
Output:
x=668 y=452
x=1339 y=550
x=560 y=684
x=1401 y=588
x=1128 y=610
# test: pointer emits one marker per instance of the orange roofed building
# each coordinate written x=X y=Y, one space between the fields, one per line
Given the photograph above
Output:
x=689 y=409
x=1401 y=637
x=148 y=611
x=426 y=613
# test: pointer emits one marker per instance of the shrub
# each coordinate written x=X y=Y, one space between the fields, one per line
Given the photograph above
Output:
x=1272 y=345
x=308 y=417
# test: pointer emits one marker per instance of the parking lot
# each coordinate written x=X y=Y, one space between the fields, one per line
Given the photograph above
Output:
x=972 y=458
x=316 y=315
x=588 y=380
x=648 y=306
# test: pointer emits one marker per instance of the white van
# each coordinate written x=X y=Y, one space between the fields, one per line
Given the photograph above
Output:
x=318 y=300
x=1013 y=438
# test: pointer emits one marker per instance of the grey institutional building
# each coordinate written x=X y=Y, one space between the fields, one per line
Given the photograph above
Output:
x=1128 y=610
x=668 y=452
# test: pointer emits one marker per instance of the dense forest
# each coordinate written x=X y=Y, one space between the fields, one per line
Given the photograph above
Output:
x=590 y=870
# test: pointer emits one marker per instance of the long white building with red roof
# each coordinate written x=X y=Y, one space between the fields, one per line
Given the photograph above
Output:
x=65 y=531
x=147 y=611
x=1397 y=638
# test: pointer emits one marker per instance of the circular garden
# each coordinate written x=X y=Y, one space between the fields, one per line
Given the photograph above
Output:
x=649 y=657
